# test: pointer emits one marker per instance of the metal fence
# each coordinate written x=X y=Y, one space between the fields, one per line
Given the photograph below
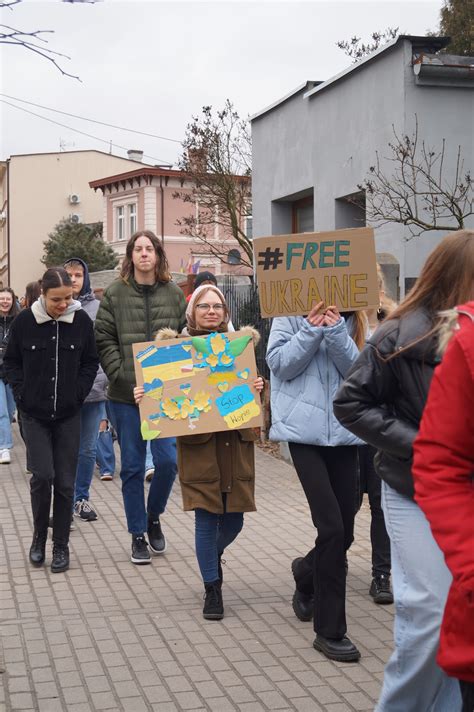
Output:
x=245 y=310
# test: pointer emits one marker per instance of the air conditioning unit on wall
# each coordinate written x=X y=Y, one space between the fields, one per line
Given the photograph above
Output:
x=75 y=218
x=74 y=199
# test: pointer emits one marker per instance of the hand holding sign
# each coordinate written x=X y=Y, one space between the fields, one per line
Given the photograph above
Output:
x=316 y=316
x=297 y=272
x=331 y=316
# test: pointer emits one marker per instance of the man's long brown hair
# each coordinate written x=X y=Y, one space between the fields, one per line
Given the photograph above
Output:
x=161 y=268
x=446 y=280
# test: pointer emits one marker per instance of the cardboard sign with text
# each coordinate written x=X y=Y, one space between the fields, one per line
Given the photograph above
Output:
x=197 y=384
x=295 y=272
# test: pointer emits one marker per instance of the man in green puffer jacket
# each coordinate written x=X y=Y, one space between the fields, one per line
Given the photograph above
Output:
x=134 y=307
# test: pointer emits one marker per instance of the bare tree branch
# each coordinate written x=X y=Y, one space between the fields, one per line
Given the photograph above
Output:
x=357 y=49
x=217 y=159
x=411 y=188
x=28 y=40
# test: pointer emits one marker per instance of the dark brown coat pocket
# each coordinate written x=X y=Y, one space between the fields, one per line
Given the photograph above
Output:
x=197 y=460
x=244 y=455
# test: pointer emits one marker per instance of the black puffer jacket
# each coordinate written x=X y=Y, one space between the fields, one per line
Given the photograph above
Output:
x=382 y=401
x=5 y=324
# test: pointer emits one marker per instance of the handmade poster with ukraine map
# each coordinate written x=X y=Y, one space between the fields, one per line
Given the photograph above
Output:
x=197 y=384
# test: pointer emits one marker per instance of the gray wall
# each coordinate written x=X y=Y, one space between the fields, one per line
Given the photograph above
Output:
x=327 y=142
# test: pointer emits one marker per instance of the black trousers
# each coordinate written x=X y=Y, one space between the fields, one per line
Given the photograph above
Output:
x=370 y=482
x=467 y=694
x=328 y=476
x=52 y=452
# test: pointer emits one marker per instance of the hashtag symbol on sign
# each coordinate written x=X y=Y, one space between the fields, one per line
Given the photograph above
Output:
x=270 y=258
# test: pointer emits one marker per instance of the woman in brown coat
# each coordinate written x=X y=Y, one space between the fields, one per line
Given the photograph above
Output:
x=216 y=470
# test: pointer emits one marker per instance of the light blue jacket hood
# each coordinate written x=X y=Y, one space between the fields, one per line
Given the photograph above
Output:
x=307 y=365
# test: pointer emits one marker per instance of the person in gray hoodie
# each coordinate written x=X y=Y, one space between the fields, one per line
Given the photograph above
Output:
x=93 y=407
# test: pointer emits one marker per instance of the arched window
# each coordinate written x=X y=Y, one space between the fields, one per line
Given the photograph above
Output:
x=233 y=257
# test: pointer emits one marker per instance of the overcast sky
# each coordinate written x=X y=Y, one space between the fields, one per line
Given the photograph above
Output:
x=150 y=65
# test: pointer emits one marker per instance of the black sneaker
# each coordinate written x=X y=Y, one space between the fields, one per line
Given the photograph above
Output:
x=380 y=589
x=156 y=538
x=140 y=553
x=38 y=549
x=84 y=511
x=213 y=604
x=60 y=560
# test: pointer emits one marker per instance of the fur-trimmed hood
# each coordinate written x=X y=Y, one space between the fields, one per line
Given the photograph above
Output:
x=450 y=324
x=167 y=333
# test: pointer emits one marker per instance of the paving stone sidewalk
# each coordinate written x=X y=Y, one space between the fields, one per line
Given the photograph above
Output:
x=108 y=635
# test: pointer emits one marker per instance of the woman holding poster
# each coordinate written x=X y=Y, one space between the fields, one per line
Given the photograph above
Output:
x=216 y=470
x=308 y=359
x=382 y=401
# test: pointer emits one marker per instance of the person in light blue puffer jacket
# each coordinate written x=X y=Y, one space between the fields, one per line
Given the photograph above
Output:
x=309 y=358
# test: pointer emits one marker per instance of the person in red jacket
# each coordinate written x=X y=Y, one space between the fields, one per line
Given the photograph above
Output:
x=443 y=472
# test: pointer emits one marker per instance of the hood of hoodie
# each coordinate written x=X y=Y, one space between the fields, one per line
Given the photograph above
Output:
x=42 y=316
x=86 y=294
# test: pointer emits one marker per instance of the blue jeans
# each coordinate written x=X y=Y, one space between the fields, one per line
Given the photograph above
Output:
x=126 y=421
x=90 y=419
x=413 y=682
x=213 y=533
x=105 y=454
x=149 y=457
x=7 y=410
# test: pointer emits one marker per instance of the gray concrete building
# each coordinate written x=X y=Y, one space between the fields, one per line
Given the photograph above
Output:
x=313 y=147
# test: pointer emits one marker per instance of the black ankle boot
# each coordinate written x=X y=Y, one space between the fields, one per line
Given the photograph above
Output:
x=38 y=548
x=213 y=604
x=60 y=560
x=303 y=606
x=340 y=649
x=219 y=567
x=303 y=603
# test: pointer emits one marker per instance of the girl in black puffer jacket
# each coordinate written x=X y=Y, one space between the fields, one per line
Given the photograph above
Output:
x=382 y=401
x=8 y=311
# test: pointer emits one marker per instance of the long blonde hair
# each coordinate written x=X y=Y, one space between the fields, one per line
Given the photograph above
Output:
x=447 y=279
x=360 y=327
x=386 y=304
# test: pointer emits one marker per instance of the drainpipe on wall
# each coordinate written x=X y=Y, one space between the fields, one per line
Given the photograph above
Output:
x=162 y=216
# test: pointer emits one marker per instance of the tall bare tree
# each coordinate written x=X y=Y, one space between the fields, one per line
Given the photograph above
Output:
x=34 y=40
x=409 y=186
x=217 y=160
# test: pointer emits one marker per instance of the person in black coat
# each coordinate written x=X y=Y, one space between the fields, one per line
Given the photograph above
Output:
x=51 y=362
x=8 y=311
x=382 y=401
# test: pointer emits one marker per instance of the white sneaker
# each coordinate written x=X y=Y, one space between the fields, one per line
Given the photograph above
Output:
x=149 y=474
x=5 y=457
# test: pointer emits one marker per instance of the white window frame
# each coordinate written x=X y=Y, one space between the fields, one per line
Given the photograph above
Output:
x=132 y=210
x=125 y=217
x=120 y=223
x=248 y=220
